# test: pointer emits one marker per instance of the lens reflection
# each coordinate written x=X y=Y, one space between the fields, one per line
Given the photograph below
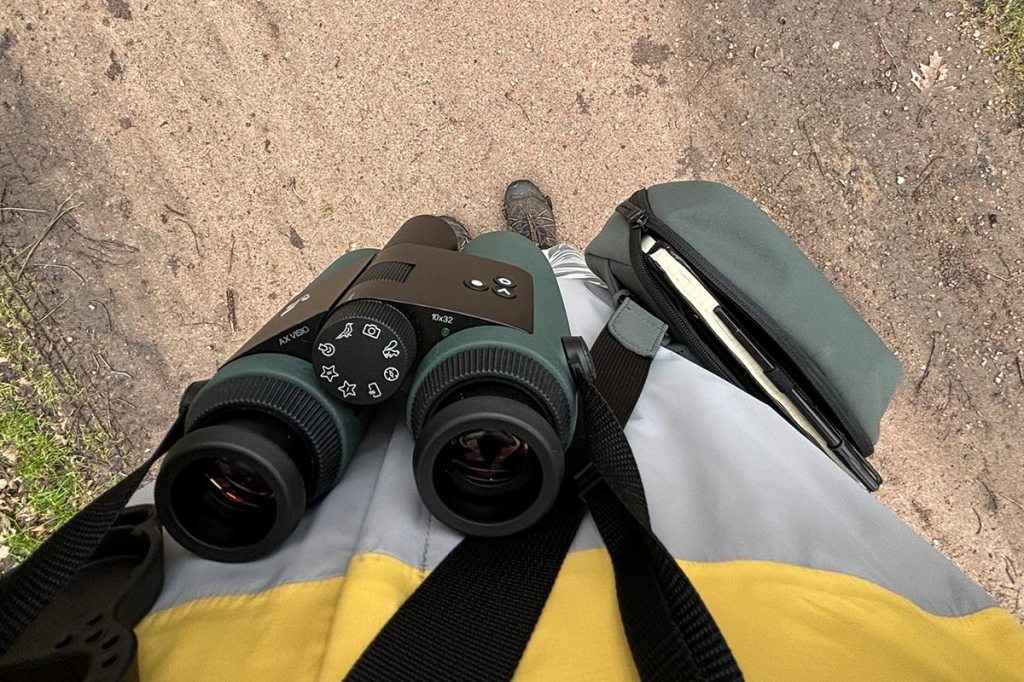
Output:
x=488 y=457
x=238 y=484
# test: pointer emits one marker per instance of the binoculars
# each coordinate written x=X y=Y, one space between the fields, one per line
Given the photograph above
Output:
x=470 y=339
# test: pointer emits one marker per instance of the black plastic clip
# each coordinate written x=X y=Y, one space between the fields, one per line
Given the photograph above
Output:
x=634 y=215
x=86 y=633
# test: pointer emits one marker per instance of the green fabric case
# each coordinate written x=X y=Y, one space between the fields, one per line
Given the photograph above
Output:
x=753 y=265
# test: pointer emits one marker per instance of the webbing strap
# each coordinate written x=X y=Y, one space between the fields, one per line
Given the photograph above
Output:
x=473 y=615
x=29 y=588
x=472 y=618
x=621 y=379
x=623 y=352
x=671 y=634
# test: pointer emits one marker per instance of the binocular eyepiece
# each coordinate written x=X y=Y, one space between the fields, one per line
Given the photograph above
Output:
x=471 y=339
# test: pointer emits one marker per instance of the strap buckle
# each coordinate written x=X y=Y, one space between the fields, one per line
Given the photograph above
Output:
x=634 y=215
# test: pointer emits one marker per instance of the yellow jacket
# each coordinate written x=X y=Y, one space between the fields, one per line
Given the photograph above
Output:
x=807 y=575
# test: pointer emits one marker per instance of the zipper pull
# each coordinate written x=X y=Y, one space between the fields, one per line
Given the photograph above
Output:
x=634 y=215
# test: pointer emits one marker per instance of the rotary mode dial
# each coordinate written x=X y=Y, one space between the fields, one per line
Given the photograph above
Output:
x=363 y=352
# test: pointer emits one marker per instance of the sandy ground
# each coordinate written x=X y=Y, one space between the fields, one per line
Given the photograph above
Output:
x=230 y=150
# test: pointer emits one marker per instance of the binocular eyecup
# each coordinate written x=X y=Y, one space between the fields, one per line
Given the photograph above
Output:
x=233 y=491
x=488 y=465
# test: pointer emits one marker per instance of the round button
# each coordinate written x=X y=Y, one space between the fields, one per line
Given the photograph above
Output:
x=506 y=282
x=476 y=284
x=504 y=292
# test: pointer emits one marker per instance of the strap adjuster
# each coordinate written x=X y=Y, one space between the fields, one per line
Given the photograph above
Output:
x=634 y=215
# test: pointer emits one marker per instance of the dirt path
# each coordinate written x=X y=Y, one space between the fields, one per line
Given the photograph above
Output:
x=228 y=151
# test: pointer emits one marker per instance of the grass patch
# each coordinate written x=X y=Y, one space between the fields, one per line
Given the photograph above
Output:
x=45 y=453
x=1007 y=17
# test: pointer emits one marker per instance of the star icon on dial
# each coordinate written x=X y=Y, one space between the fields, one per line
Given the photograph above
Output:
x=347 y=390
x=329 y=373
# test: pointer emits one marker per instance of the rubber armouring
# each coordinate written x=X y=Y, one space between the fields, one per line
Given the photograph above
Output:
x=294 y=406
x=492 y=364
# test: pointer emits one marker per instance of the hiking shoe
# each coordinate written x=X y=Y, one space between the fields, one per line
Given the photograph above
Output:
x=528 y=212
x=462 y=235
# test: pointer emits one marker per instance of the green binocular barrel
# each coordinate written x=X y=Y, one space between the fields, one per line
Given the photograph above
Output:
x=263 y=441
x=500 y=389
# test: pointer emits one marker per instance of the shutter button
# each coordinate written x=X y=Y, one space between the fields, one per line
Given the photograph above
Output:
x=476 y=284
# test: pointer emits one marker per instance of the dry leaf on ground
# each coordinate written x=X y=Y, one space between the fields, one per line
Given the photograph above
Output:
x=931 y=73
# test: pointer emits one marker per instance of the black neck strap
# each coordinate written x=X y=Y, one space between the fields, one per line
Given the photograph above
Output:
x=486 y=590
x=27 y=590
x=494 y=590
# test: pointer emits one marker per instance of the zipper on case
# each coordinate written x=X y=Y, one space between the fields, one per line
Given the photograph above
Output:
x=637 y=219
x=638 y=207
x=637 y=212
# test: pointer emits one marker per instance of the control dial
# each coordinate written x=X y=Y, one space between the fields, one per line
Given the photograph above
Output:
x=363 y=352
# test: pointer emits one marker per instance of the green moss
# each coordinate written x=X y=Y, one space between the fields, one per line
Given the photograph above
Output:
x=45 y=455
